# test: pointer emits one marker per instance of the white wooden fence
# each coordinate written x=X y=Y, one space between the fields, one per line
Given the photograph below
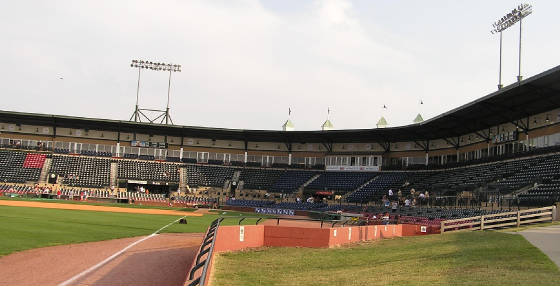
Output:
x=505 y=219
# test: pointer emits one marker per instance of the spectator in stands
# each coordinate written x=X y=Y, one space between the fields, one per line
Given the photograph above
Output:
x=385 y=218
x=390 y=193
x=386 y=202
x=407 y=202
x=421 y=198
x=399 y=193
x=413 y=192
x=394 y=206
x=58 y=193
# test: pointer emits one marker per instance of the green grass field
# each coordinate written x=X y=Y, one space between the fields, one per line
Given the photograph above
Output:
x=477 y=258
x=25 y=228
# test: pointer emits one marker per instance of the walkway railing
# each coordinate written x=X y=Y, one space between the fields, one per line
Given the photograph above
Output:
x=204 y=255
x=501 y=220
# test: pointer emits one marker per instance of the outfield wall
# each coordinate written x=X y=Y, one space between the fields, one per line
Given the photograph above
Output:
x=234 y=238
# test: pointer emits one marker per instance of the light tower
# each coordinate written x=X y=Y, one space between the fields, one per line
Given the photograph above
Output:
x=164 y=115
x=516 y=15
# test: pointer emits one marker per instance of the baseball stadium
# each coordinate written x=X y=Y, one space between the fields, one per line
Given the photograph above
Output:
x=468 y=197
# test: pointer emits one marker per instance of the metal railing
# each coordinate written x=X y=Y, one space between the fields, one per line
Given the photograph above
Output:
x=204 y=254
x=278 y=219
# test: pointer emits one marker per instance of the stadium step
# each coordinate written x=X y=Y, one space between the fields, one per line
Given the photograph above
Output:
x=113 y=174
x=359 y=188
x=45 y=171
x=525 y=189
x=302 y=187
x=236 y=176
x=310 y=181
x=183 y=180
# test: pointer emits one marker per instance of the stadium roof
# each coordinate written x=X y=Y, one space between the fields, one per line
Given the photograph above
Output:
x=534 y=95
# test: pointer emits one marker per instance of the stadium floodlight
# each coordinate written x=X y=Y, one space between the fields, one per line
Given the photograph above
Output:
x=163 y=114
x=516 y=15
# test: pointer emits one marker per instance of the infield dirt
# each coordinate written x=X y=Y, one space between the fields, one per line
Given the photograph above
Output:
x=94 y=208
x=161 y=260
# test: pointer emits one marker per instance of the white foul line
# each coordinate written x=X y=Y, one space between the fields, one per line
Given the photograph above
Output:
x=89 y=270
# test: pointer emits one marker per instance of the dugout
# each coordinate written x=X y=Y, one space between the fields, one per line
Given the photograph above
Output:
x=153 y=187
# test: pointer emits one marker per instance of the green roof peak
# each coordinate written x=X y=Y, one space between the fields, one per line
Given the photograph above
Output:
x=418 y=118
x=288 y=126
x=327 y=125
x=382 y=122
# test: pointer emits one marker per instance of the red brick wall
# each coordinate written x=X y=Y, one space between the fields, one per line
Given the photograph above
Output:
x=296 y=236
x=228 y=237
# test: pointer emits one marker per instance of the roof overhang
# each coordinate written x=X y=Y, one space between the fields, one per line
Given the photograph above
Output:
x=534 y=95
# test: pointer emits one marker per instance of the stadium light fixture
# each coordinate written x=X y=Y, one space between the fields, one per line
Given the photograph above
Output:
x=510 y=19
x=164 y=115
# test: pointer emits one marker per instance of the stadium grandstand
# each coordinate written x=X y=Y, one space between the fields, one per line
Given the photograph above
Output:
x=502 y=149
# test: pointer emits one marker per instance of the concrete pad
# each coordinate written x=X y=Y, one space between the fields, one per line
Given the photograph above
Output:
x=547 y=239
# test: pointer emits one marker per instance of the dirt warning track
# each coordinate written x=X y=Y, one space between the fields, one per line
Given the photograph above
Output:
x=94 y=208
x=162 y=260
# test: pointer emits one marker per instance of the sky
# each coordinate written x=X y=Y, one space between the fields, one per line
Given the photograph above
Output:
x=246 y=62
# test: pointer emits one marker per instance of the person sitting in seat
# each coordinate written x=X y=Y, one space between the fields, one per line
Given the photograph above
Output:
x=394 y=206
x=385 y=219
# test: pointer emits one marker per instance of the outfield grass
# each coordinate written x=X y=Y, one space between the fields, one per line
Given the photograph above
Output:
x=477 y=258
x=25 y=228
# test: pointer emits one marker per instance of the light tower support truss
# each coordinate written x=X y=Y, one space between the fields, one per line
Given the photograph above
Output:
x=161 y=116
